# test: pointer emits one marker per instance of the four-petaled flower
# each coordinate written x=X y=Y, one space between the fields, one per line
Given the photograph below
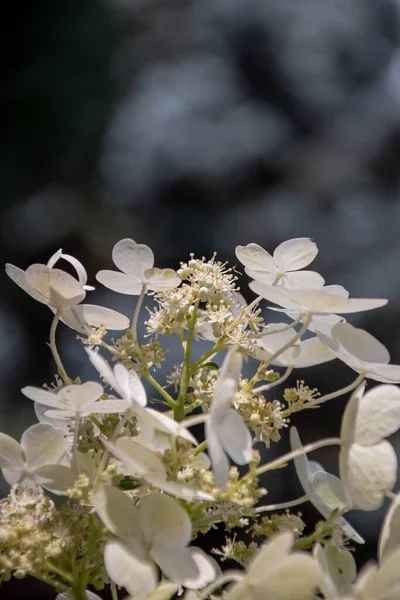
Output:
x=75 y=401
x=158 y=530
x=35 y=461
x=63 y=293
x=137 y=271
x=283 y=267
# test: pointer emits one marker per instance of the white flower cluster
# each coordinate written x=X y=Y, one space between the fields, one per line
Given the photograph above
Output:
x=139 y=487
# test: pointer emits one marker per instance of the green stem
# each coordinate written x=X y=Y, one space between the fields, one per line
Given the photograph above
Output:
x=179 y=408
x=216 y=348
x=169 y=399
x=282 y=460
x=54 y=351
x=60 y=587
x=282 y=505
x=59 y=571
x=318 y=534
x=137 y=311
x=200 y=448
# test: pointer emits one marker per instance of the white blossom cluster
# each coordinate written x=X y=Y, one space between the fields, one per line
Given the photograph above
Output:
x=139 y=488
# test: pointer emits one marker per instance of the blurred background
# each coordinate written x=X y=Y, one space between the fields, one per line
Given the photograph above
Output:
x=194 y=126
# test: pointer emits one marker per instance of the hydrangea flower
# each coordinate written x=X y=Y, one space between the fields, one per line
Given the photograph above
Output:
x=62 y=292
x=139 y=461
x=279 y=574
x=136 y=264
x=368 y=463
x=35 y=461
x=226 y=432
x=282 y=268
x=73 y=401
x=362 y=352
x=324 y=490
x=158 y=530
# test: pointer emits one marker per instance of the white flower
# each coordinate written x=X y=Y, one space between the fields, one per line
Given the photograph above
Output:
x=362 y=352
x=53 y=287
x=320 y=301
x=282 y=267
x=324 y=490
x=226 y=431
x=136 y=261
x=278 y=574
x=35 y=460
x=155 y=427
x=62 y=292
x=302 y=354
x=158 y=530
x=74 y=401
x=368 y=463
x=139 y=461
x=389 y=538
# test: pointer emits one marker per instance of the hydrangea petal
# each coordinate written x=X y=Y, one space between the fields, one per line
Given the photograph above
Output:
x=254 y=256
x=119 y=282
x=378 y=415
x=138 y=460
x=389 y=538
x=55 y=478
x=360 y=343
x=94 y=316
x=301 y=463
x=303 y=279
x=218 y=458
x=19 y=277
x=162 y=279
x=164 y=522
x=370 y=473
x=235 y=438
x=296 y=578
x=226 y=385
x=43 y=445
x=126 y=569
x=384 y=373
x=129 y=382
x=295 y=254
x=10 y=453
x=132 y=258
x=207 y=570
x=117 y=512
x=165 y=591
x=105 y=370
x=106 y=407
x=42 y=396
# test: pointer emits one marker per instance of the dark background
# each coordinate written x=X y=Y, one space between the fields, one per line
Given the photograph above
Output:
x=194 y=126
